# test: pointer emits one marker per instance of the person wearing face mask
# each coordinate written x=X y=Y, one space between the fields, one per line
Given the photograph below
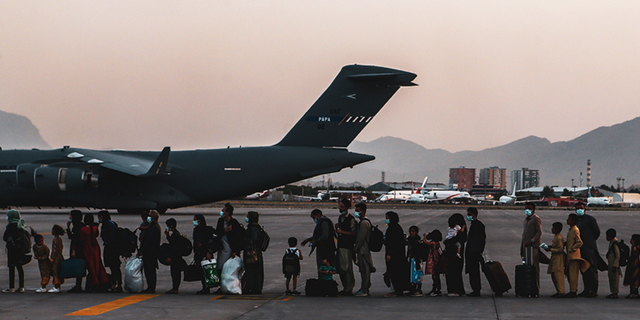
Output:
x=589 y=233
x=149 y=251
x=395 y=255
x=531 y=234
x=253 y=262
x=322 y=239
x=346 y=234
x=203 y=240
x=111 y=256
x=365 y=262
x=476 y=241
x=176 y=263
x=231 y=235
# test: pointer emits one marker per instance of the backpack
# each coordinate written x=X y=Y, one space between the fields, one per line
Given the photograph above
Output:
x=624 y=253
x=22 y=243
x=264 y=239
x=126 y=241
x=185 y=247
x=376 y=239
x=291 y=263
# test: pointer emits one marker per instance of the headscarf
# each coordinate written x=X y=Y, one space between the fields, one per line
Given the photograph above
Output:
x=393 y=218
x=14 y=217
x=200 y=217
x=636 y=239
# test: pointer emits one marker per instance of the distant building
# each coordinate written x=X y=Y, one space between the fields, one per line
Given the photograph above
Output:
x=526 y=178
x=493 y=176
x=462 y=177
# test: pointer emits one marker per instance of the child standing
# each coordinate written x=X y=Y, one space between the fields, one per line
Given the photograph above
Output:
x=431 y=265
x=613 y=261
x=41 y=252
x=413 y=254
x=291 y=265
x=556 y=265
x=56 y=257
x=452 y=231
x=575 y=261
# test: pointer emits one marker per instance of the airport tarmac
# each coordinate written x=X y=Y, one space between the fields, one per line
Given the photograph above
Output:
x=504 y=229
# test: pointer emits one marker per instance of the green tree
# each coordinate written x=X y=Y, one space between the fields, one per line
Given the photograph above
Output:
x=566 y=193
x=547 y=192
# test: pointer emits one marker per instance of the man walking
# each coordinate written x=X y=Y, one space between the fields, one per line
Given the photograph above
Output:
x=476 y=241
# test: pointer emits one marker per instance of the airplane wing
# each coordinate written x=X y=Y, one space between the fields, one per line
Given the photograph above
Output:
x=135 y=166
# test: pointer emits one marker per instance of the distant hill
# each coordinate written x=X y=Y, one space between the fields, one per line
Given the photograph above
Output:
x=17 y=132
x=614 y=152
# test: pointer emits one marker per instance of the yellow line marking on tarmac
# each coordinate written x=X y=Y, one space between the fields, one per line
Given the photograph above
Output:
x=252 y=298
x=109 y=306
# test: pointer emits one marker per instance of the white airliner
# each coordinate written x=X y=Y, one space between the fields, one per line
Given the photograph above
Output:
x=508 y=199
x=409 y=196
x=597 y=201
x=435 y=196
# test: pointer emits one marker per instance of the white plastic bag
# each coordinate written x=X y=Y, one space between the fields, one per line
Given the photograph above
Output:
x=133 y=275
x=230 y=279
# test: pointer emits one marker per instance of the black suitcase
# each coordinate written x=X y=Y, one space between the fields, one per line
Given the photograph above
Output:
x=526 y=277
x=321 y=288
x=498 y=279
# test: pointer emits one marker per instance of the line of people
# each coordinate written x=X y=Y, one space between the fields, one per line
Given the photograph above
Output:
x=405 y=256
x=578 y=254
x=228 y=239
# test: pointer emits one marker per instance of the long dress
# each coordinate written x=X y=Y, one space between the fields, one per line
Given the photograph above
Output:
x=632 y=273
x=97 y=274
x=254 y=272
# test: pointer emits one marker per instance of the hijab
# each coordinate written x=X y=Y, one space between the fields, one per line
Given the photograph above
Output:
x=393 y=218
x=13 y=216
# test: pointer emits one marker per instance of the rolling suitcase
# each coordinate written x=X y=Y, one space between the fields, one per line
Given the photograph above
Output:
x=498 y=279
x=526 y=276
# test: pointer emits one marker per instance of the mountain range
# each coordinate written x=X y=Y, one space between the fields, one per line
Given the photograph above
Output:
x=614 y=152
x=17 y=132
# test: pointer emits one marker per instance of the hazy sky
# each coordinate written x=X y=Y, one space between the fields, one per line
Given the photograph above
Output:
x=208 y=74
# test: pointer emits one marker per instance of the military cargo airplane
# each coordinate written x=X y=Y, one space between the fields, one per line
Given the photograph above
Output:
x=133 y=181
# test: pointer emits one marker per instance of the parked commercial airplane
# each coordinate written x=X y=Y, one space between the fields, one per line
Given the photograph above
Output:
x=597 y=201
x=132 y=181
x=440 y=196
x=258 y=195
x=509 y=199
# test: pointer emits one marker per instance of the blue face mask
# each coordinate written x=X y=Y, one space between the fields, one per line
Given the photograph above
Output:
x=315 y=220
x=222 y=213
x=528 y=212
x=387 y=221
x=470 y=218
x=99 y=221
x=343 y=212
x=357 y=214
x=580 y=212
x=149 y=219
x=168 y=229
x=246 y=219
x=195 y=223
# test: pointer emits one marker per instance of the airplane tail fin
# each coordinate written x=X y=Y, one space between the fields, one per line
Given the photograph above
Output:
x=423 y=187
x=354 y=97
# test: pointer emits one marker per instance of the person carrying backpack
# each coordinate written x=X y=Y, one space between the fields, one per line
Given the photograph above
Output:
x=111 y=249
x=363 y=254
x=291 y=265
x=18 y=246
